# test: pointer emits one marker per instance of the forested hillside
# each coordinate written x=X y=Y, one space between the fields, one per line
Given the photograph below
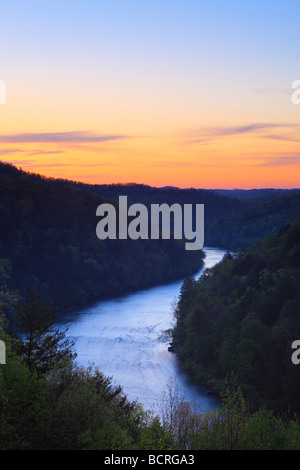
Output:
x=257 y=195
x=233 y=219
x=47 y=402
x=242 y=316
x=255 y=221
x=215 y=206
x=48 y=241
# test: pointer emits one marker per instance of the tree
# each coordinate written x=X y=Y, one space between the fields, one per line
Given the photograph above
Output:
x=24 y=412
x=41 y=345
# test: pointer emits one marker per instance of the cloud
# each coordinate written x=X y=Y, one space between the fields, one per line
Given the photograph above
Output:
x=22 y=162
x=205 y=135
x=289 y=138
x=34 y=164
x=7 y=151
x=284 y=160
x=244 y=129
x=43 y=152
x=62 y=137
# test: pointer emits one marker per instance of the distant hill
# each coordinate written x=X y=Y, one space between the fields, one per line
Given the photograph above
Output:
x=233 y=219
x=216 y=206
x=47 y=235
x=256 y=194
x=48 y=241
x=255 y=221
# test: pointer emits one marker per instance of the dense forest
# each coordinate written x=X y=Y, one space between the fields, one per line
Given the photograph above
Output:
x=47 y=402
x=48 y=241
x=258 y=195
x=234 y=326
x=242 y=316
x=234 y=219
x=240 y=229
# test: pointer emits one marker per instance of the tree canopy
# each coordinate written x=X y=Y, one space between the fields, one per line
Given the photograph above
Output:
x=242 y=316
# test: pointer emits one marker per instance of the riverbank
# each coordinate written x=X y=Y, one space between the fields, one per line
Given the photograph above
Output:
x=124 y=338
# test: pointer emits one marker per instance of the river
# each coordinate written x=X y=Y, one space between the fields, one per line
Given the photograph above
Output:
x=124 y=337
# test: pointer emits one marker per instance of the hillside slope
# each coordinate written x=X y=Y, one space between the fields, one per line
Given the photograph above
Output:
x=48 y=241
x=242 y=316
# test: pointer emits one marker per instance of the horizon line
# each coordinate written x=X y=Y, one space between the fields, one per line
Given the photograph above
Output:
x=152 y=186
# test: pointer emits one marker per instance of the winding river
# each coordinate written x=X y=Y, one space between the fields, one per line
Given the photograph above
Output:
x=125 y=338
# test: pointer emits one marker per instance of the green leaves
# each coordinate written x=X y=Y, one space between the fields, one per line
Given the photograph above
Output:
x=242 y=316
x=41 y=346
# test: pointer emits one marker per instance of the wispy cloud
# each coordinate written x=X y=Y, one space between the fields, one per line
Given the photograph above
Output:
x=34 y=164
x=250 y=128
x=44 y=152
x=282 y=160
x=205 y=135
x=8 y=151
x=22 y=162
x=289 y=137
x=62 y=137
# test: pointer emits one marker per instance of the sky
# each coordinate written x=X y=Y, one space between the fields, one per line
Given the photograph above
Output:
x=181 y=93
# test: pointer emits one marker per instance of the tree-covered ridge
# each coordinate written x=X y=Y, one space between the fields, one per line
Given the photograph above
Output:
x=257 y=195
x=48 y=241
x=255 y=221
x=47 y=235
x=242 y=316
x=233 y=219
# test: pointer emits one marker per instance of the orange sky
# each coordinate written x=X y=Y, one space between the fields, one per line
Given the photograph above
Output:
x=130 y=96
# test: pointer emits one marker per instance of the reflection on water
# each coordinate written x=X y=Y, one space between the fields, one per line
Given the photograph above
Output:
x=125 y=338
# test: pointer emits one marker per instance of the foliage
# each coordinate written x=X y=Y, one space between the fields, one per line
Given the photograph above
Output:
x=48 y=241
x=75 y=408
x=23 y=407
x=233 y=218
x=41 y=345
x=87 y=410
x=234 y=427
x=241 y=228
x=242 y=315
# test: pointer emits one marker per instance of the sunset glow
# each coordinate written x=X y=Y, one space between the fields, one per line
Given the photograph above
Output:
x=188 y=94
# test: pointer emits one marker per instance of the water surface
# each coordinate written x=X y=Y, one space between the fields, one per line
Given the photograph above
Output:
x=125 y=338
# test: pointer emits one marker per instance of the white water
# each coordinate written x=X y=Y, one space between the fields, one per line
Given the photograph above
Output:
x=124 y=338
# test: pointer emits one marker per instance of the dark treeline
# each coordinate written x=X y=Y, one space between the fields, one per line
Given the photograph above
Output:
x=234 y=219
x=242 y=316
x=254 y=222
x=216 y=206
x=48 y=238
x=48 y=241
x=258 y=195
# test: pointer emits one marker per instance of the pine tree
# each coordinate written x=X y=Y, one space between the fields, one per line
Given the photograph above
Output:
x=41 y=345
